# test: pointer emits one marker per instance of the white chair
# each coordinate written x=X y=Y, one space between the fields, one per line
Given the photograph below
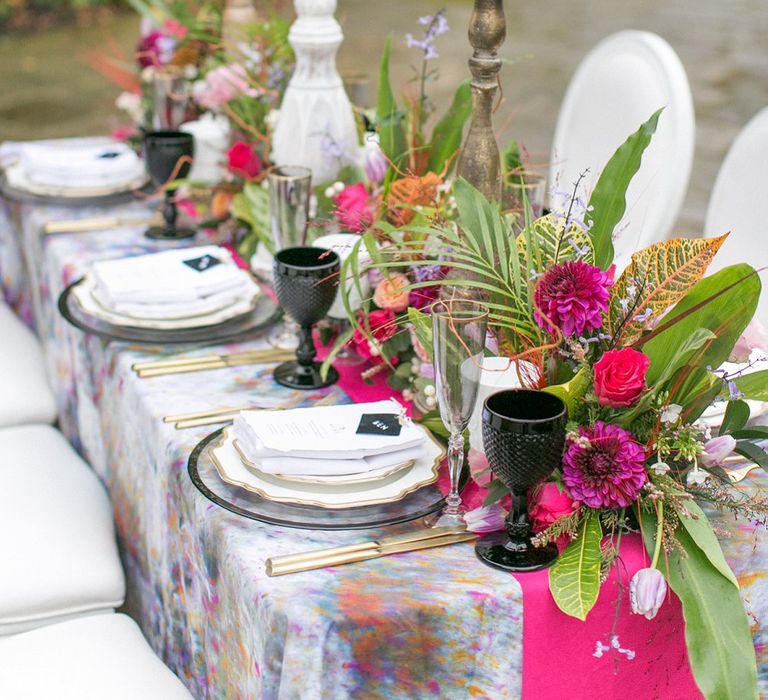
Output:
x=737 y=202
x=25 y=396
x=58 y=556
x=100 y=657
x=617 y=87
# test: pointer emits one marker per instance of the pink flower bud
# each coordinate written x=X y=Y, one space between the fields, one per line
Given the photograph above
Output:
x=754 y=337
x=376 y=162
x=486 y=518
x=716 y=450
x=646 y=592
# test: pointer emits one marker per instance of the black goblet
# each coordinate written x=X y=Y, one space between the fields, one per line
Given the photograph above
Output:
x=168 y=154
x=305 y=281
x=524 y=436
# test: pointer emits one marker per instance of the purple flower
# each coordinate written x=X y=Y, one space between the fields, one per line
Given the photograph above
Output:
x=605 y=467
x=485 y=518
x=435 y=26
x=647 y=590
x=716 y=450
x=155 y=49
x=573 y=297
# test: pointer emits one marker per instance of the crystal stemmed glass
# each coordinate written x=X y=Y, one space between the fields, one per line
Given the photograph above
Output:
x=458 y=338
x=170 y=97
x=523 y=436
x=305 y=282
x=290 y=188
x=168 y=155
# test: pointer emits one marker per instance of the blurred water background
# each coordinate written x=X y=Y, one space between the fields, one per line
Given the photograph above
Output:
x=48 y=90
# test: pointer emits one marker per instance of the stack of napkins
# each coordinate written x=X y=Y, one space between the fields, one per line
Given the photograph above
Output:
x=327 y=440
x=78 y=165
x=172 y=284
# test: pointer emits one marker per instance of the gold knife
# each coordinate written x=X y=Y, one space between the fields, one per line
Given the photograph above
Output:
x=95 y=224
x=277 y=567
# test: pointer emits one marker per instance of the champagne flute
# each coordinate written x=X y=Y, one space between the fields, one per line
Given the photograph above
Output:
x=290 y=188
x=458 y=337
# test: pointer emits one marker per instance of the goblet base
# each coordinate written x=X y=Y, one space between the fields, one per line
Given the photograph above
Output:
x=161 y=233
x=495 y=550
x=297 y=376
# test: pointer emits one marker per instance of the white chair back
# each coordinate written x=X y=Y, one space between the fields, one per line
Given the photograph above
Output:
x=737 y=204
x=617 y=87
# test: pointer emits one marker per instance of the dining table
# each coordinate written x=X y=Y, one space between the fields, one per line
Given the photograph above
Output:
x=436 y=623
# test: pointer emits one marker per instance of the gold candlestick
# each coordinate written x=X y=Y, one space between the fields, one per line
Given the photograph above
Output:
x=480 y=163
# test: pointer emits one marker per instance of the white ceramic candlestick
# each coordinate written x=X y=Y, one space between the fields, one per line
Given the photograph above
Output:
x=316 y=126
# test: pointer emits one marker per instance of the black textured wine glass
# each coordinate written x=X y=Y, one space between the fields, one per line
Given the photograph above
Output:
x=305 y=282
x=168 y=155
x=523 y=436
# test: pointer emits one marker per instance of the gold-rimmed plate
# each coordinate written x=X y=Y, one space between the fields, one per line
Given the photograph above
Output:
x=232 y=470
x=335 y=479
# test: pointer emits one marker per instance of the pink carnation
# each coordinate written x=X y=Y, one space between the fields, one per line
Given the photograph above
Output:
x=605 y=467
x=573 y=297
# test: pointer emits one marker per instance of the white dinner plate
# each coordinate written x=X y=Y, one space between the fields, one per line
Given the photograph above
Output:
x=391 y=488
x=84 y=295
x=336 y=479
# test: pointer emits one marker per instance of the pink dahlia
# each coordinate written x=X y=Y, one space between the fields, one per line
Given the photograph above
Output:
x=605 y=468
x=573 y=297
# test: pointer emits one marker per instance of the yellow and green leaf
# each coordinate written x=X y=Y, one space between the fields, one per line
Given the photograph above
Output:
x=658 y=277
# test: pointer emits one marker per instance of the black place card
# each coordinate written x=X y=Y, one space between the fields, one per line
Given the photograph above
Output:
x=203 y=263
x=379 y=424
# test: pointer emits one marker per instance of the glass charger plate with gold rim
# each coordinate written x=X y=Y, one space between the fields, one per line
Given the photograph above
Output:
x=416 y=505
x=392 y=487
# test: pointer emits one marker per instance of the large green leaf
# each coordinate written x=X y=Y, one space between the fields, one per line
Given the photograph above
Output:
x=609 y=196
x=574 y=579
x=723 y=303
x=388 y=117
x=754 y=385
x=735 y=418
x=717 y=634
x=446 y=136
x=572 y=392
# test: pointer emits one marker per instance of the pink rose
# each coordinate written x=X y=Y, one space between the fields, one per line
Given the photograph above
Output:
x=175 y=28
x=243 y=160
x=620 y=377
x=382 y=325
x=478 y=467
x=548 y=504
x=392 y=292
x=755 y=337
x=355 y=208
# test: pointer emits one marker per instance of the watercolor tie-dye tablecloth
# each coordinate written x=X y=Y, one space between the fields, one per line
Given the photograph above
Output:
x=436 y=624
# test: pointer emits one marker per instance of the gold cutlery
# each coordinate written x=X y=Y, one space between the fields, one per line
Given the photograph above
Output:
x=206 y=414
x=95 y=224
x=362 y=551
x=201 y=364
x=209 y=420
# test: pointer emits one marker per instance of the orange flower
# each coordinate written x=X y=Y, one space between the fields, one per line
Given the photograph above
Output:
x=392 y=293
x=412 y=192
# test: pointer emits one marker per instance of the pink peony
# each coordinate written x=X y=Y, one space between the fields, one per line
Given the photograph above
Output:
x=605 y=468
x=549 y=503
x=392 y=292
x=355 y=208
x=620 y=377
x=382 y=325
x=222 y=85
x=243 y=160
x=573 y=297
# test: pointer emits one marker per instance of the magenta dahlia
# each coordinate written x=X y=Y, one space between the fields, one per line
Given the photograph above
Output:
x=606 y=468
x=573 y=297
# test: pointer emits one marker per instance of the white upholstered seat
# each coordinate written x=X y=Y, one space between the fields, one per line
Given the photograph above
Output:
x=58 y=556
x=617 y=87
x=99 y=657
x=25 y=396
x=737 y=204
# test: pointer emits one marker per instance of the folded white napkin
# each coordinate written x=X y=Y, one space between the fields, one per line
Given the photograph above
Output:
x=302 y=466
x=172 y=283
x=78 y=165
x=321 y=433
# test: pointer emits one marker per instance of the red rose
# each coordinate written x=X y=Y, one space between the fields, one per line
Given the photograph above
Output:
x=355 y=208
x=620 y=377
x=549 y=503
x=382 y=325
x=243 y=160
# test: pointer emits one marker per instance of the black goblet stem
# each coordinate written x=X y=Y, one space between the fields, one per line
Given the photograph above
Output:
x=170 y=213
x=518 y=524
x=306 y=351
